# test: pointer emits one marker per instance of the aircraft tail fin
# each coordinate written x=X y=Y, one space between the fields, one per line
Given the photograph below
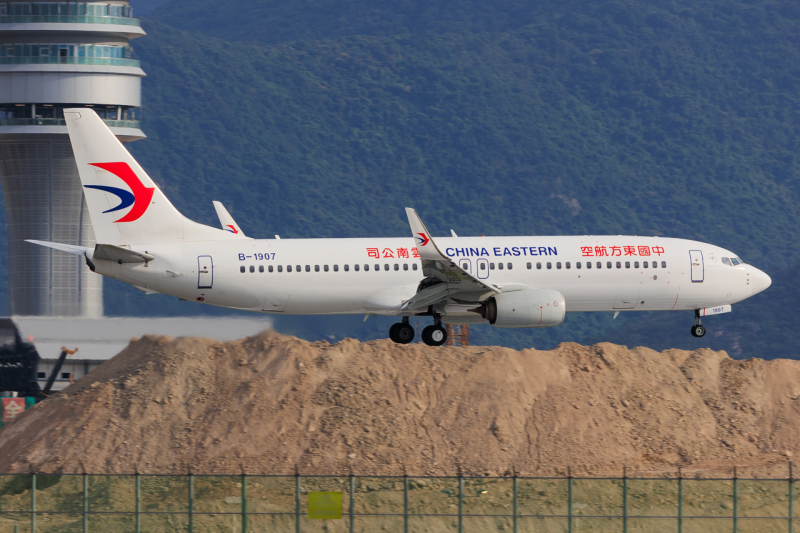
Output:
x=126 y=207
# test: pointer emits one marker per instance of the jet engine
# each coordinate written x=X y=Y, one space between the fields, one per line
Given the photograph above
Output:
x=529 y=308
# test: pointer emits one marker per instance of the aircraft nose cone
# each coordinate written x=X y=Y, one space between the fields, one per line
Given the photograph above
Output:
x=759 y=280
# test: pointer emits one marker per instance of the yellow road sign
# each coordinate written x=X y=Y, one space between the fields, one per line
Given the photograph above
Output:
x=325 y=505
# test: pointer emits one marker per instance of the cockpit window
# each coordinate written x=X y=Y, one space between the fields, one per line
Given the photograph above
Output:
x=726 y=261
x=736 y=261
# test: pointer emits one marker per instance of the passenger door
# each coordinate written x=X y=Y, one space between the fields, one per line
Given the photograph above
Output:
x=698 y=269
x=205 y=272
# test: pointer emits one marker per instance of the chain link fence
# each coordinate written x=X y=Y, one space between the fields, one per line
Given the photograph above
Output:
x=36 y=503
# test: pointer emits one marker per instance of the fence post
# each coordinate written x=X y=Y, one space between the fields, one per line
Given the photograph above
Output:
x=516 y=501
x=85 y=503
x=735 y=502
x=352 y=501
x=296 y=500
x=138 y=502
x=791 y=497
x=460 y=501
x=244 y=502
x=680 y=501
x=405 y=501
x=569 y=502
x=33 y=502
x=191 y=502
x=624 y=499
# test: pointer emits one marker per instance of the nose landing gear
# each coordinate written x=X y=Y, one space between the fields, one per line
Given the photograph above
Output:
x=698 y=330
x=402 y=332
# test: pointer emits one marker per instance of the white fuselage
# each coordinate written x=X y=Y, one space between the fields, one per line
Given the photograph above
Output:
x=680 y=274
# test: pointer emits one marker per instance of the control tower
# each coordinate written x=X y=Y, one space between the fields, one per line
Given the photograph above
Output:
x=56 y=55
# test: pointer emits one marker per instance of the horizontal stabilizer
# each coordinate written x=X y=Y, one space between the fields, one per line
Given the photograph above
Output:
x=226 y=220
x=69 y=248
x=118 y=254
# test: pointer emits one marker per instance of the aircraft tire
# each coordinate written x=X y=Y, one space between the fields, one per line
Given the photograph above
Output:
x=434 y=335
x=698 y=331
x=394 y=330
x=404 y=333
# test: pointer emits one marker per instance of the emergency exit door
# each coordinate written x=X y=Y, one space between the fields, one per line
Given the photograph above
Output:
x=205 y=272
x=698 y=269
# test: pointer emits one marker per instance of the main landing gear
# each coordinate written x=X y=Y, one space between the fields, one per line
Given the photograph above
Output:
x=698 y=330
x=403 y=333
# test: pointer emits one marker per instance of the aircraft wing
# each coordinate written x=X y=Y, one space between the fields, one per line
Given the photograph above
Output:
x=437 y=265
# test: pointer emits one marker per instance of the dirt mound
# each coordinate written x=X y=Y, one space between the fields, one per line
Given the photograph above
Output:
x=270 y=402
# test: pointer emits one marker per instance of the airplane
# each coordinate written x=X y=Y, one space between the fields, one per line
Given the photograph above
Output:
x=508 y=282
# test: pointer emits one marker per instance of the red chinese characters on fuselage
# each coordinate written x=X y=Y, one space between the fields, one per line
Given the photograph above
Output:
x=617 y=251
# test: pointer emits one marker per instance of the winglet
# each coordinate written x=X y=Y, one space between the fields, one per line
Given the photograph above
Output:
x=226 y=220
x=427 y=248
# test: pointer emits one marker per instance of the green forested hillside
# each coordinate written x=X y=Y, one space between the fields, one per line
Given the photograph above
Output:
x=515 y=117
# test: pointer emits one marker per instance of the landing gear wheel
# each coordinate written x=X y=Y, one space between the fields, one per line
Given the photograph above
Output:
x=401 y=333
x=434 y=335
x=698 y=330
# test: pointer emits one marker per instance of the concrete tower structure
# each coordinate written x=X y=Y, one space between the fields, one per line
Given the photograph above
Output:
x=56 y=55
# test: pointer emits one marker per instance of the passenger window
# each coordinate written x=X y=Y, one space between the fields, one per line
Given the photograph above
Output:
x=558 y=266
x=529 y=266
x=366 y=268
x=578 y=264
x=241 y=269
x=500 y=266
x=405 y=266
x=357 y=267
x=308 y=268
x=270 y=268
x=396 y=266
x=377 y=267
x=465 y=266
x=645 y=264
x=316 y=268
x=599 y=264
x=538 y=266
x=589 y=264
x=299 y=268
x=655 y=264
x=569 y=265
x=483 y=266
x=325 y=268
x=663 y=264
x=627 y=264
x=510 y=266
x=636 y=264
x=288 y=268
x=549 y=266
x=252 y=269
x=414 y=266
x=619 y=265
x=336 y=268
x=280 y=268
x=608 y=264
x=491 y=266
x=386 y=266
x=347 y=268
x=261 y=268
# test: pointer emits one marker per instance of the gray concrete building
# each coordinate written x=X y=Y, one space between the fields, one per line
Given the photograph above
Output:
x=56 y=55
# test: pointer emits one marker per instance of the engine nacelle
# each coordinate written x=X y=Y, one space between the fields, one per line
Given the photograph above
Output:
x=529 y=308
